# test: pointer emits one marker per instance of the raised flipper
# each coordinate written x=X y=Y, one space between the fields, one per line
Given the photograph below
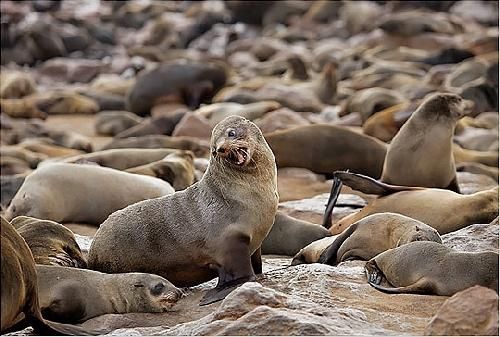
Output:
x=236 y=268
x=329 y=255
x=369 y=185
x=332 y=200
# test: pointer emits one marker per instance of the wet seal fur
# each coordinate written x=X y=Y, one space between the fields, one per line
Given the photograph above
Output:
x=431 y=268
x=50 y=243
x=19 y=289
x=70 y=295
x=214 y=227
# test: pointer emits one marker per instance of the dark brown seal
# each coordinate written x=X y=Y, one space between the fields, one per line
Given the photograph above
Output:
x=214 y=227
x=431 y=268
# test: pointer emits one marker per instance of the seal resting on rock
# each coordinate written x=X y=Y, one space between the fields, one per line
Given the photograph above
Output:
x=70 y=295
x=214 y=227
x=431 y=268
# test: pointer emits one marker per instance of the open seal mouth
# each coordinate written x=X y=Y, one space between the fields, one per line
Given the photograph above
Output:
x=238 y=156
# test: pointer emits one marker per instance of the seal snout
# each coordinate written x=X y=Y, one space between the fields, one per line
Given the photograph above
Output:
x=237 y=155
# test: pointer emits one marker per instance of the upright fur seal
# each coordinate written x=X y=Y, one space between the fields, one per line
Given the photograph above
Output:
x=19 y=287
x=421 y=153
x=81 y=193
x=431 y=268
x=50 y=243
x=214 y=227
x=70 y=295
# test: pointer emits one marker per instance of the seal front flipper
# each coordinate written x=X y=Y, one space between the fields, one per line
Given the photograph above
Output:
x=453 y=186
x=329 y=255
x=256 y=259
x=237 y=267
x=332 y=200
x=369 y=185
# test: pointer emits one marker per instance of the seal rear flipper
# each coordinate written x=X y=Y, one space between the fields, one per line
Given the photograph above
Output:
x=329 y=255
x=332 y=200
x=422 y=286
x=369 y=185
x=220 y=292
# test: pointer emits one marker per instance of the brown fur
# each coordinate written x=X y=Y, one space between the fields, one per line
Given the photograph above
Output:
x=209 y=229
x=432 y=268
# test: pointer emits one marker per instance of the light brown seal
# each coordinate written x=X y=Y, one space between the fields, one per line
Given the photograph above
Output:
x=375 y=234
x=431 y=268
x=324 y=148
x=176 y=168
x=110 y=123
x=421 y=153
x=443 y=210
x=70 y=295
x=81 y=193
x=50 y=243
x=214 y=227
x=19 y=288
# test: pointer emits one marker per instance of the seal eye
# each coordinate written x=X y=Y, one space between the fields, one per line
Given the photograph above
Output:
x=231 y=133
x=158 y=288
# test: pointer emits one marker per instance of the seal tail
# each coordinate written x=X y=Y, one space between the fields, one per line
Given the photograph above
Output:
x=332 y=200
x=369 y=185
x=329 y=255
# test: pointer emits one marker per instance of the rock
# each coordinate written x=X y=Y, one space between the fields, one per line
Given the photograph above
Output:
x=471 y=183
x=474 y=238
x=72 y=70
x=471 y=312
x=193 y=125
x=312 y=209
x=280 y=119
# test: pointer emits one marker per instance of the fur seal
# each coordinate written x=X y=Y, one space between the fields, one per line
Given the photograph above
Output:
x=324 y=148
x=289 y=235
x=375 y=234
x=367 y=102
x=461 y=155
x=70 y=295
x=198 y=147
x=312 y=252
x=176 y=168
x=32 y=158
x=431 y=268
x=191 y=83
x=111 y=123
x=50 y=243
x=443 y=210
x=209 y=229
x=156 y=125
x=421 y=152
x=56 y=192
x=13 y=165
x=16 y=84
x=21 y=108
x=19 y=288
x=47 y=147
x=120 y=159
x=9 y=185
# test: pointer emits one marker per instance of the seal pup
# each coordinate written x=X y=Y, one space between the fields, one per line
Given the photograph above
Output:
x=431 y=268
x=19 y=288
x=50 y=243
x=64 y=192
x=375 y=234
x=421 y=153
x=70 y=295
x=289 y=235
x=211 y=228
x=443 y=210
x=111 y=123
